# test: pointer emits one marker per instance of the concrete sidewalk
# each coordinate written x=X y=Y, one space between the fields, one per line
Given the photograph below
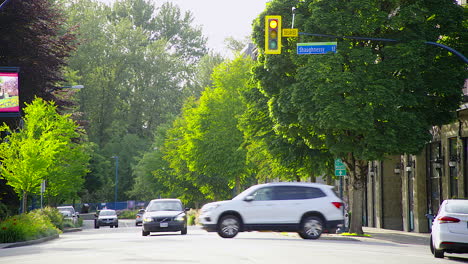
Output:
x=37 y=241
x=400 y=237
x=384 y=235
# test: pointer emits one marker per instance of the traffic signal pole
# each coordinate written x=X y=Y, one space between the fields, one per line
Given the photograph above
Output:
x=4 y=3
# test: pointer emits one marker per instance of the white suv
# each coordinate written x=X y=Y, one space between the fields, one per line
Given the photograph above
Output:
x=306 y=208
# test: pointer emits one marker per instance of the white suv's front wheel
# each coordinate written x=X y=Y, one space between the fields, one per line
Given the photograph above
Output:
x=228 y=226
x=311 y=227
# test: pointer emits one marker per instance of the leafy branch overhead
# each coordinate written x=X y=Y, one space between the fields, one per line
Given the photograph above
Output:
x=371 y=99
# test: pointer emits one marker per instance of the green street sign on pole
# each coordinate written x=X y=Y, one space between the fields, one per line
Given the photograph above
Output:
x=340 y=168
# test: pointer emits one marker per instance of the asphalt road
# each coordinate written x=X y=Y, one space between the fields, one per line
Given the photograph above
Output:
x=126 y=245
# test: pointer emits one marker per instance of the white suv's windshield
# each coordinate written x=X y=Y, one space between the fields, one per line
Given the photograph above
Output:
x=245 y=193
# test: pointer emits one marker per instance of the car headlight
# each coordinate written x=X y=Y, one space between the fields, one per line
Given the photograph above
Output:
x=180 y=217
x=147 y=219
x=209 y=207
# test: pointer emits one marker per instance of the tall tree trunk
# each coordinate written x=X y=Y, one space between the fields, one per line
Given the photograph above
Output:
x=357 y=176
x=312 y=177
x=24 y=202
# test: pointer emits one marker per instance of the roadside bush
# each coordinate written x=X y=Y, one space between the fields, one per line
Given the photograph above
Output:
x=67 y=223
x=192 y=216
x=30 y=226
x=127 y=214
x=55 y=217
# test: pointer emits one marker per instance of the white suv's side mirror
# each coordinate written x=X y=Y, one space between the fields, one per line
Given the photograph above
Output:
x=249 y=198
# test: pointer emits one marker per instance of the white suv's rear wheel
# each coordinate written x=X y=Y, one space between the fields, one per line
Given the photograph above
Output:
x=228 y=226
x=311 y=227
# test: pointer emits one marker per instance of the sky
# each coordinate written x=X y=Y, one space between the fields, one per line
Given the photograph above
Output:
x=220 y=19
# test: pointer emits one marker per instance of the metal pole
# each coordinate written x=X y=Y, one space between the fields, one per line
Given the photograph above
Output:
x=293 y=10
x=4 y=3
x=116 y=180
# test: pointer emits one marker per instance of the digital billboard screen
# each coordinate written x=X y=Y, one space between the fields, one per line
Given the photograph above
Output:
x=9 y=92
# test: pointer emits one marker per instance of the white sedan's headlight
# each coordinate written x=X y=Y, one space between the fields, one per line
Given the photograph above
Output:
x=147 y=219
x=180 y=217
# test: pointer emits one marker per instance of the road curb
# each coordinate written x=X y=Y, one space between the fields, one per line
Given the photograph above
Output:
x=326 y=236
x=37 y=241
x=29 y=242
x=68 y=230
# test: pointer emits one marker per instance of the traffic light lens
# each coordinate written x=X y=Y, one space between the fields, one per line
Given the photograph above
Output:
x=273 y=34
x=273 y=23
x=273 y=44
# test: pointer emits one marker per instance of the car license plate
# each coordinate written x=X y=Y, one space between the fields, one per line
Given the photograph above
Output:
x=163 y=224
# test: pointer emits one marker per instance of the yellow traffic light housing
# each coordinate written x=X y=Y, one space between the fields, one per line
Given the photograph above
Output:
x=272 y=34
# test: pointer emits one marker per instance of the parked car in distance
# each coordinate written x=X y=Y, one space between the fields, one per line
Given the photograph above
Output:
x=306 y=208
x=107 y=217
x=69 y=213
x=139 y=217
x=450 y=228
x=165 y=215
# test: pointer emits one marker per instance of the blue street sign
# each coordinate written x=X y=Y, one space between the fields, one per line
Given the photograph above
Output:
x=316 y=48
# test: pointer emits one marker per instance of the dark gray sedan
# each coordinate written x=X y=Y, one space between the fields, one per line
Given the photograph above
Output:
x=165 y=215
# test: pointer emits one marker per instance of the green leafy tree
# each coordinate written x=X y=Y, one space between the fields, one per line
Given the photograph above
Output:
x=176 y=176
x=43 y=151
x=203 y=73
x=372 y=98
x=35 y=37
x=273 y=154
x=137 y=63
x=205 y=144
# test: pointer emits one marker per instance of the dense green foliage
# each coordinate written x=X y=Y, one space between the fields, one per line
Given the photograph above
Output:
x=138 y=63
x=200 y=156
x=372 y=98
x=43 y=150
x=186 y=123
x=34 y=37
x=33 y=225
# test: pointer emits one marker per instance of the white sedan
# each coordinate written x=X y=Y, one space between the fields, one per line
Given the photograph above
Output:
x=450 y=228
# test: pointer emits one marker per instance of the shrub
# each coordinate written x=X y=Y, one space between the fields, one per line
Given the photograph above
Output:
x=42 y=226
x=33 y=225
x=11 y=230
x=127 y=214
x=192 y=217
x=55 y=217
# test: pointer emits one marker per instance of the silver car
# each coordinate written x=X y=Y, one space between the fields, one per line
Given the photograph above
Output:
x=107 y=217
x=69 y=213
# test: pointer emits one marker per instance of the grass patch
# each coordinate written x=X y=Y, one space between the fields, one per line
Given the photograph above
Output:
x=355 y=234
